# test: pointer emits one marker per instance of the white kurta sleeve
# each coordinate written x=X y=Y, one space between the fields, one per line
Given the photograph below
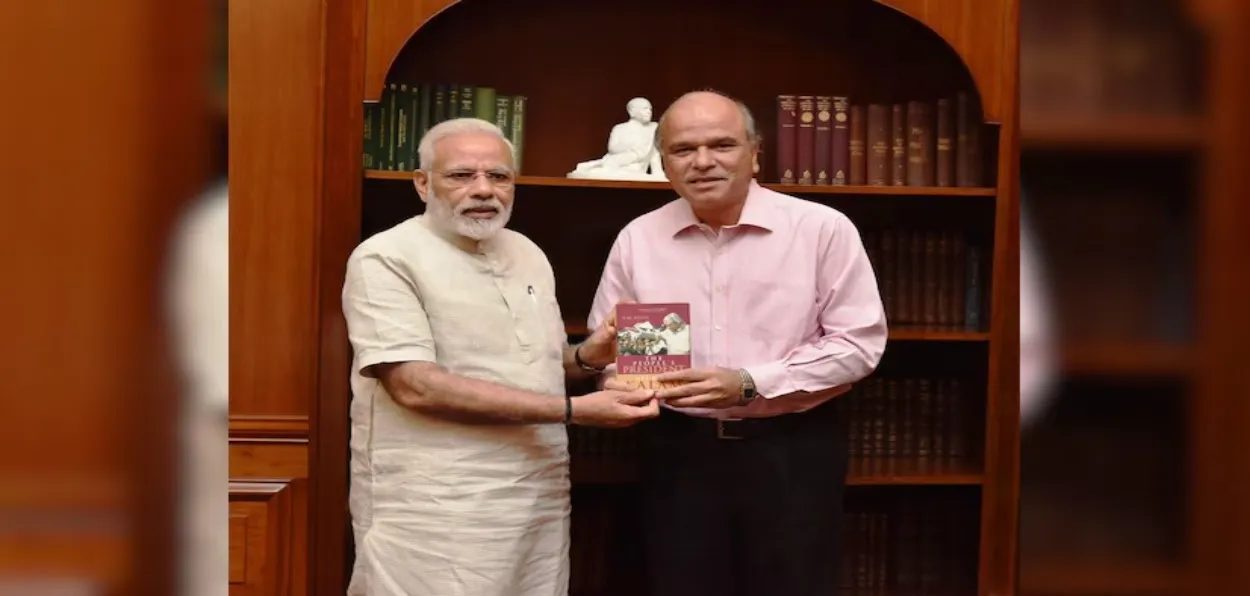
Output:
x=386 y=321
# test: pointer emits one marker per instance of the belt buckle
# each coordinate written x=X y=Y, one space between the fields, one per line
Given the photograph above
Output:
x=722 y=432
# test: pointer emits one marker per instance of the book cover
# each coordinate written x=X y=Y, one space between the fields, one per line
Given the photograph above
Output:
x=651 y=339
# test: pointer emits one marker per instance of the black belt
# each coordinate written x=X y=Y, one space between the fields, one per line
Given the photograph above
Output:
x=823 y=415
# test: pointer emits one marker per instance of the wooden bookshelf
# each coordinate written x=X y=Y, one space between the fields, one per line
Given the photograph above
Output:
x=1115 y=175
x=1113 y=132
x=572 y=102
x=624 y=470
x=540 y=181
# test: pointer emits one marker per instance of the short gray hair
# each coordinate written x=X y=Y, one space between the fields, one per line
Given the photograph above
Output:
x=748 y=120
x=457 y=126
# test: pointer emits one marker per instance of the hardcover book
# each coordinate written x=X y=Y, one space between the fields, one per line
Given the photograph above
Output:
x=651 y=339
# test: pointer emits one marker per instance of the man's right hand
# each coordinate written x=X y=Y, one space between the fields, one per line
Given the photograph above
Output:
x=614 y=409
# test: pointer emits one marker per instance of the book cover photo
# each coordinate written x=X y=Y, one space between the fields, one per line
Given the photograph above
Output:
x=651 y=339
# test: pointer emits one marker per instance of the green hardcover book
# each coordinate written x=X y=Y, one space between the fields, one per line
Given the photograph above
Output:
x=503 y=113
x=484 y=103
x=468 y=93
x=438 y=112
x=392 y=125
x=403 y=127
x=372 y=126
x=452 y=109
x=425 y=111
x=517 y=129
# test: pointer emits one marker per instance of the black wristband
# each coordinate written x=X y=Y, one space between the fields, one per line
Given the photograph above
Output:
x=577 y=359
x=568 y=409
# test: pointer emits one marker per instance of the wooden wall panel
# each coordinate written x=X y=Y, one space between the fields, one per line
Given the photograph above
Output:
x=275 y=112
x=267 y=541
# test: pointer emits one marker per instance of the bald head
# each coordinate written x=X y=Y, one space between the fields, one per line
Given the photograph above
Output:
x=707 y=105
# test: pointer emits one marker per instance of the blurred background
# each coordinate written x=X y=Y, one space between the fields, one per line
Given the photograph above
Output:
x=1135 y=447
x=1127 y=137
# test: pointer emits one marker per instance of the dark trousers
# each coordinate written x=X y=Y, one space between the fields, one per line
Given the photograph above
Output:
x=754 y=516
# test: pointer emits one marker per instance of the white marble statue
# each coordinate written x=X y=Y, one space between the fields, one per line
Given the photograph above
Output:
x=631 y=149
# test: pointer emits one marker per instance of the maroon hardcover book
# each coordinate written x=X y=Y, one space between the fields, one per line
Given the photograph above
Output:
x=787 y=139
x=651 y=339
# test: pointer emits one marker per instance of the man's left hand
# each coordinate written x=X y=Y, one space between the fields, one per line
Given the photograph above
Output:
x=599 y=350
x=703 y=388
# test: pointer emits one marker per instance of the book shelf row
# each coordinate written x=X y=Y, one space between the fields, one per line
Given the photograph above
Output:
x=901 y=429
x=903 y=547
x=394 y=126
x=827 y=140
x=792 y=189
x=929 y=279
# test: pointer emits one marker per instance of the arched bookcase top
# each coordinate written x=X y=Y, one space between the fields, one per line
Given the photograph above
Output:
x=975 y=29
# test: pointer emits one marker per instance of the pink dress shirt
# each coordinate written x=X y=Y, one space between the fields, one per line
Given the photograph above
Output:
x=787 y=293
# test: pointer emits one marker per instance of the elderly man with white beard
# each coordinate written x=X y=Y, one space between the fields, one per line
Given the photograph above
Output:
x=459 y=454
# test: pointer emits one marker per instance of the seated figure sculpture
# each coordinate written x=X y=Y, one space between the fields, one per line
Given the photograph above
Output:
x=631 y=149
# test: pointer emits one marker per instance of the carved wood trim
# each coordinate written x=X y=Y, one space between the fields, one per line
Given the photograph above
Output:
x=253 y=426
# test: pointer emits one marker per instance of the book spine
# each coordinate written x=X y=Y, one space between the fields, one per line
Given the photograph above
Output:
x=787 y=138
x=857 y=162
x=945 y=144
x=840 y=141
x=824 y=140
x=517 y=129
x=918 y=159
x=806 y=139
x=484 y=103
x=878 y=141
x=898 y=145
x=467 y=98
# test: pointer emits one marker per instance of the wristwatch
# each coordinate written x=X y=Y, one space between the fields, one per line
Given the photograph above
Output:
x=748 y=387
x=577 y=357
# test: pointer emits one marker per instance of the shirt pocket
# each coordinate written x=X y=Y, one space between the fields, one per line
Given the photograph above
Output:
x=538 y=326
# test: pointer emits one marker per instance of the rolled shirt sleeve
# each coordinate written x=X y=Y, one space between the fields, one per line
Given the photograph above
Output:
x=386 y=321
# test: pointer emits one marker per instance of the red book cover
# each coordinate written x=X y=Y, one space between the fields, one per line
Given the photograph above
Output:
x=807 y=140
x=651 y=339
x=787 y=138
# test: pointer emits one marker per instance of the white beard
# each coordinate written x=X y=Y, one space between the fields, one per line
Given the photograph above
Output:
x=457 y=222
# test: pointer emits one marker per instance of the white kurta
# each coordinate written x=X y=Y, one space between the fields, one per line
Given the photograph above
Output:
x=441 y=508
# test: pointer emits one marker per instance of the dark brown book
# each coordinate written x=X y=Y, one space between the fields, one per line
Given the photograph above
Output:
x=915 y=253
x=919 y=145
x=956 y=278
x=898 y=145
x=856 y=144
x=930 y=318
x=824 y=139
x=806 y=138
x=945 y=290
x=967 y=143
x=887 y=273
x=924 y=424
x=943 y=152
x=787 y=138
x=840 y=141
x=908 y=419
x=878 y=145
x=902 y=278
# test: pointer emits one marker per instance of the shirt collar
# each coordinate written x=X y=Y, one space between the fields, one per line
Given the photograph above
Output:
x=759 y=212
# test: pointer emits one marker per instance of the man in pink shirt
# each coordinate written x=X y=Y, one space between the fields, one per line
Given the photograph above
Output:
x=743 y=472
